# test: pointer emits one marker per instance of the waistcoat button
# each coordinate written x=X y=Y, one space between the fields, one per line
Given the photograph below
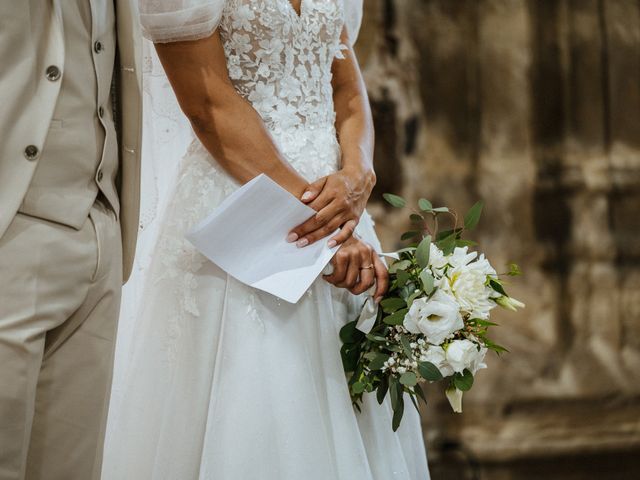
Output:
x=31 y=152
x=53 y=73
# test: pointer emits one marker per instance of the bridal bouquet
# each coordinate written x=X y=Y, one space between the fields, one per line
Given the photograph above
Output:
x=432 y=324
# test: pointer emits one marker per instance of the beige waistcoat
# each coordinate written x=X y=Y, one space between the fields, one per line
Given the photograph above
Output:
x=58 y=144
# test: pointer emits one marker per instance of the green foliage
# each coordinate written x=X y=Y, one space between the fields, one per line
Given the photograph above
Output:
x=472 y=217
x=409 y=379
x=425 y=205
x=514 y=270
x=394 y=200
x=463 y=381
x=392 y=304
x=429 y=371
x=423 y=251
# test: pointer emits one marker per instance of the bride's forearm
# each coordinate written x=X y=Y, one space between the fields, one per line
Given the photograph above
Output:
x=354 y=123
x=239 y=141
x=226 y=124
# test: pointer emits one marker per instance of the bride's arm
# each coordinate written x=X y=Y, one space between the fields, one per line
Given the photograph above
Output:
x=226 y=124
x=343 y=196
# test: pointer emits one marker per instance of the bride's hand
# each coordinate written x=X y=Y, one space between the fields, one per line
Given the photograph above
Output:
x=357 y=267
x=339 y=199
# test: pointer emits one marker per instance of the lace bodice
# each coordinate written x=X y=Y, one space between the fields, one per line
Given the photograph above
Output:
x=281 y=61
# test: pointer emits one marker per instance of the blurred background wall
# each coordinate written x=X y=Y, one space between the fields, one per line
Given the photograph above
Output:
x=534 y=107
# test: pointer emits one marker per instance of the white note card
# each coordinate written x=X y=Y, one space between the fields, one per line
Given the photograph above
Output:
x=246 y=237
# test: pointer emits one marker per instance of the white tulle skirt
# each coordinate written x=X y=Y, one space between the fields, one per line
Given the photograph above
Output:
x=224 y=382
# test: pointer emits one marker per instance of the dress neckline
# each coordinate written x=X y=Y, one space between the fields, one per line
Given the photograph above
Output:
x=301 y=12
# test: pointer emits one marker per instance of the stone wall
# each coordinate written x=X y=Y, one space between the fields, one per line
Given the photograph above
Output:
x=534 y=107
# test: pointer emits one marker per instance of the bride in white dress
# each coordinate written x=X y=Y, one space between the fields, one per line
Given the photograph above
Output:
x=225 y=382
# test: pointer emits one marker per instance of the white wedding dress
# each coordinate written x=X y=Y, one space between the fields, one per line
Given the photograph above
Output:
x=224 y=382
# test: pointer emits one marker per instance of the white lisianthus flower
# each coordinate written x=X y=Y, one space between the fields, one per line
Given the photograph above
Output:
x=436 y=317
x=437 y=356
x=461 y=257
x=455 y=398
x=437 y=260
x=464 y=354
x=466 y=280
x=509 y=303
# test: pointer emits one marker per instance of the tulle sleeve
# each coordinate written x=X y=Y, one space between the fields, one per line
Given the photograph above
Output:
x=353 y=18
x=166 y=21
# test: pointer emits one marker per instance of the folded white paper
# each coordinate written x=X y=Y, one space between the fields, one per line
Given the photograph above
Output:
x=246 y=237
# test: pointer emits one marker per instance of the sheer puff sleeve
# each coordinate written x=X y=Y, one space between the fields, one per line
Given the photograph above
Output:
x=353 y=18
x=166 y=21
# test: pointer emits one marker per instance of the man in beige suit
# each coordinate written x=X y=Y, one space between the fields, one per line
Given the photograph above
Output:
x=70 y=121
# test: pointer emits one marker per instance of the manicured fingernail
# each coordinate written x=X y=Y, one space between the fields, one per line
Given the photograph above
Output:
x=306 y=196
x=302 y=243
x=292 y=237
x=332 y=243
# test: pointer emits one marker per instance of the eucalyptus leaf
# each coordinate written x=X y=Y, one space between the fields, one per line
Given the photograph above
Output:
x=402 y=277
x=429 y=371
x=405 y=342
x=350 y=357
x=420 y=393
x=349 y=333
x=423 y=251
x=413 y=400
x=376 y=338
x=397 y=413
x=399 y=265
x=473 y=216
x=416 y=218
x=393 y=391
x=409 y=235
x=463 y=381
x=409 y=379
x=358 y=388
x=391 y=304
x=378 y=362
x=394 y=200
x=427 y=281
x=425 y=205
x=445 y=233
x=396 y=318
x=383 y=387
x=447 y=244
x=413 y=296
x=440 y=209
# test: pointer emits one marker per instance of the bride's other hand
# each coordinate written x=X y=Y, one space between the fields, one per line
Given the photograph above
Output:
x=339 y=199
x=357 y=267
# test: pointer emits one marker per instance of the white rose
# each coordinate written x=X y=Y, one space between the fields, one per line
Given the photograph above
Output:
x=464 y=354
x=467 y=283
x=436 y=317
x=437 y=356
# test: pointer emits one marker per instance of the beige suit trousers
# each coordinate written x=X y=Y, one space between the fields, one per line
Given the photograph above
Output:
x=59 y=303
